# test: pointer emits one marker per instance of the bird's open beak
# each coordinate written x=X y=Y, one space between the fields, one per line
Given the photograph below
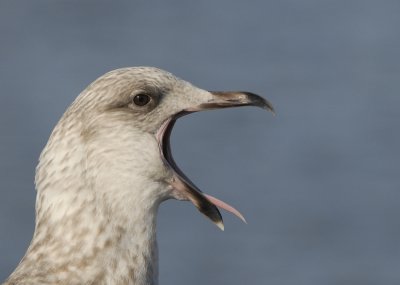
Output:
x=184 y=189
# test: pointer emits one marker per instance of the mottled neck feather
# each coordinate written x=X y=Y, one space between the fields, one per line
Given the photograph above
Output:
x=103 y=252
x=94 y=224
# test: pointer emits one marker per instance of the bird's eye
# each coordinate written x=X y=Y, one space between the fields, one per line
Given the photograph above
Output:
x=141 y=99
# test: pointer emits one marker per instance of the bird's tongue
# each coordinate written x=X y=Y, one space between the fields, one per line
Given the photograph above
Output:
x=225 y=206
x=184 y=189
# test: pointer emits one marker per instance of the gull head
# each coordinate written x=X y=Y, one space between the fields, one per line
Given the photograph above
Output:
x=103 y=173
x=112 y=146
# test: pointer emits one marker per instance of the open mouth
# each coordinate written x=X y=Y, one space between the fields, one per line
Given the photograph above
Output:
x=184 y=189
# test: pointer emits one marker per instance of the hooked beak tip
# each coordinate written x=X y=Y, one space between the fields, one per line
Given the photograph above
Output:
x=258 y=101
x=226 y=99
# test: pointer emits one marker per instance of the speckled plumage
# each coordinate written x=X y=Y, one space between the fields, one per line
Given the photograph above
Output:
x=100 y=180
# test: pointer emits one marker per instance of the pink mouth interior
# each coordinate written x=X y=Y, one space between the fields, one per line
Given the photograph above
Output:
x=163 y=137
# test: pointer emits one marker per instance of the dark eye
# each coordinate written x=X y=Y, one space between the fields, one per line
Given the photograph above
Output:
x=141 y=99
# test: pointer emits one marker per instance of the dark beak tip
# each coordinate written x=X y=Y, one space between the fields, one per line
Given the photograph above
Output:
x=226 y=99
x=261 y=102
x=268 y=106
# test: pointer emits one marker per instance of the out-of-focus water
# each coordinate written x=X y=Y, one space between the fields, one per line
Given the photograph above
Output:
x=319 y=183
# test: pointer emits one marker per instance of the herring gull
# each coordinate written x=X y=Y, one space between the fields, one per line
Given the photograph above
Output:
x=106 y=168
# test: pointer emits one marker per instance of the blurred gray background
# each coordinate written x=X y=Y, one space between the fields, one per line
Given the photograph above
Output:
x=319 y=183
